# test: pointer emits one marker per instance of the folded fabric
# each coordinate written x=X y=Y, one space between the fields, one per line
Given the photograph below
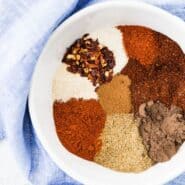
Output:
x=25 y=26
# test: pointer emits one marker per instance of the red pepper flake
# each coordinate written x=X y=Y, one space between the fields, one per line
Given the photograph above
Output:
x=88 y=58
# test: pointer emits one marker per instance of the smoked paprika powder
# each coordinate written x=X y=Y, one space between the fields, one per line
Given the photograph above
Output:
x=79 y=124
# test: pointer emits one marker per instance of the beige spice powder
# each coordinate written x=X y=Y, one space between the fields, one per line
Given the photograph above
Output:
x=122 y=147
x=115 y=96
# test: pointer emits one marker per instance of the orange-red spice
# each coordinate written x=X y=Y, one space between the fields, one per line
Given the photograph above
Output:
x=148 y=46
x=79 y=124
x=140 y=43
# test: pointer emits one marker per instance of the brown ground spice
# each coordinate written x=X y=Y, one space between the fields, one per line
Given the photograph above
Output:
x=158 y=82
x=115 y=96
x=168 y=50
x=179 y=95
x=162 y=129
x=79 y=124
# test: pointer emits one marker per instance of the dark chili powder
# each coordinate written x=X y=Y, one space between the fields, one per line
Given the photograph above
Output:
x=79 y=124
x=163 y=77
x=179 y=95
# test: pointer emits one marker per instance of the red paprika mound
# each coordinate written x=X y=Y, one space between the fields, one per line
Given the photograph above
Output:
x=140 y=43
x=79 y=124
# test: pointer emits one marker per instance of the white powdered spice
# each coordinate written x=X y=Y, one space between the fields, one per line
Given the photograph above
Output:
x=122 y=147
x=113 y=39
x=67 y=85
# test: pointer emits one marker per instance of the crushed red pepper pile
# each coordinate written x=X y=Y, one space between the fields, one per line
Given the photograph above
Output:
x=90 y=59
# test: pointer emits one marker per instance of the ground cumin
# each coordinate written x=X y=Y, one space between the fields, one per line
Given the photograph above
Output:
x=79 y=124
x=115 y=96
x=168 y=50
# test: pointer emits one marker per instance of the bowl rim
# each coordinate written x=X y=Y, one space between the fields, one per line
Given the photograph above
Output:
x=68 y=21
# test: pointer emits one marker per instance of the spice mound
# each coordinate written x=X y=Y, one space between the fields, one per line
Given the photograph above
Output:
x=122 y=147
x=148 y=46
x=88 y=58
x=162 y=129
x=140 y=43
x=79 y=124
x=159 y=81
x=115 y=96
x=125 y=111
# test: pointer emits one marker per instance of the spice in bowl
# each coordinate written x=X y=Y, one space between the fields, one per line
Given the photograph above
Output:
x=124 y=117
x=162 y=129
x=90 y=59
x=115 y=96
x=79 y=123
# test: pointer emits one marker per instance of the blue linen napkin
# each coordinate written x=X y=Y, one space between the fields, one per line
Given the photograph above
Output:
x=25 y=26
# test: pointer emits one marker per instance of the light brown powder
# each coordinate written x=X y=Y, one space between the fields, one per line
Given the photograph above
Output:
x=122 y=147
x=115 y=96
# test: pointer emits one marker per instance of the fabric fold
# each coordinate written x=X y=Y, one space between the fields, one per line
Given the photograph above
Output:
x=25 y=26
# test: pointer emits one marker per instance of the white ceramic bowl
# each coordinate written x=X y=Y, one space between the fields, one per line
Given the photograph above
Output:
x=40 y=99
